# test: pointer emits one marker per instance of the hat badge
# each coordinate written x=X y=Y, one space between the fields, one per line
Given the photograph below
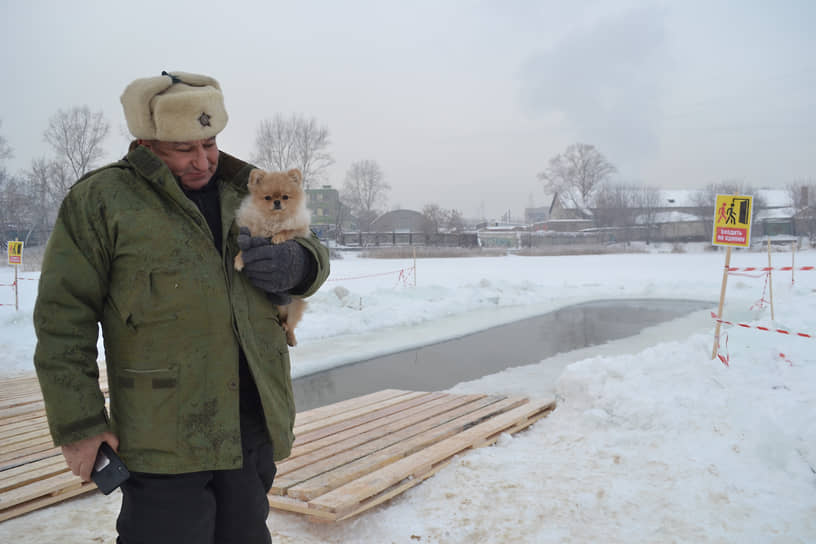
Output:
x=204 y=119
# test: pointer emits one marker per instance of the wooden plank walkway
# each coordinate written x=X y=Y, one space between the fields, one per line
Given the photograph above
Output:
x=351 y=456
x=348 y=457
x=33 y=473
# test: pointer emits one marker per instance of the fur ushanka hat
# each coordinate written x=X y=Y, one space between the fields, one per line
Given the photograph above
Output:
x=174 y=107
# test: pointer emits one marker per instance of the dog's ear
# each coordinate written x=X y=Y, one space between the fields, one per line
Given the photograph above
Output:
x=255 y=176
x=295 y=175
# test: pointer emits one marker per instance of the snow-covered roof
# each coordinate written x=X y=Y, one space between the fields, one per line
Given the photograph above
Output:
x=679 y=198
x=775 y=213
x=668 y=217
x=571 y=199
x=775 y=198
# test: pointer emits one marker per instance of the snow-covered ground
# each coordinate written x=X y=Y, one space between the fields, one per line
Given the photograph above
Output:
x=652 y=440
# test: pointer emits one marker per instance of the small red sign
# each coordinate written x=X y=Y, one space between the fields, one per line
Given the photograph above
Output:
x=730 y=235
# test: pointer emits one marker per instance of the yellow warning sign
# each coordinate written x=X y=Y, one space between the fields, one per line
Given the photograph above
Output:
x=732 y=221
x=15 y=252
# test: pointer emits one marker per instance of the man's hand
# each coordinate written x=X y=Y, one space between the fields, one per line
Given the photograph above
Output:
x=274 y=268
x=81 y=456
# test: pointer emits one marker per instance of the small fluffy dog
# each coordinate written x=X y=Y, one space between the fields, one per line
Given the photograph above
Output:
x=275 y=208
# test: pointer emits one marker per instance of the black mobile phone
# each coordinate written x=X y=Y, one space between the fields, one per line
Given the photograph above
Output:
x=109 y=471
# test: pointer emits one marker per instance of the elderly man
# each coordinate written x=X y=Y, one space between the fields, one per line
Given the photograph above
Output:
x=198 y=368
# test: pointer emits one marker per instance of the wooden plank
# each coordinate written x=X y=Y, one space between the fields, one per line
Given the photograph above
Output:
x=27 y=457
x=337 y=459
x=29 y=472
x=19 y=400
x=9 y=419
x=305 y=430
x=334 y=444
x=392 y=492
x=280 y=502
x=299 y=449
x=47 y=500
x=347 y=498
x=323 y=477
x=36 y=443
x=9 y=442
x=40 y=488
x=375 y=416
x=10 y=429
x=418 y=478
x=322 y=412
x=34 y=407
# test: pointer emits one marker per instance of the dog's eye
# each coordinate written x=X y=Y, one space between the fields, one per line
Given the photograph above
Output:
x=285 y=197
x=267 y=197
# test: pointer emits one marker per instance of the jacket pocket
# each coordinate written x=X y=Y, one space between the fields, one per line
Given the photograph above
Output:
x=145 y=406
x=168 y=293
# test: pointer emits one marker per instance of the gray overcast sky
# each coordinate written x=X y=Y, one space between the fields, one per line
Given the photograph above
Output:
x=461 y=103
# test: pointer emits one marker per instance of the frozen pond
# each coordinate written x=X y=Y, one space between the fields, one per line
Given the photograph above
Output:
x=441 y=365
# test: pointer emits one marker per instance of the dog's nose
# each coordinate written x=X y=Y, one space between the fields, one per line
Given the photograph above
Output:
x=277 y=204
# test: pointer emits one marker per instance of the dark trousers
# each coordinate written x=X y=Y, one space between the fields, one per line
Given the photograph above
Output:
x=213 y=507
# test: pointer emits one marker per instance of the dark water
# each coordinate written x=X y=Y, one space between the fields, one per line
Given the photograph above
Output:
x=444 y=364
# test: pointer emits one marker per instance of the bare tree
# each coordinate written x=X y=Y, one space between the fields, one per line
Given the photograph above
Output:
x=577 y=173
x=18 y=213
x=442 y=219
x=12 y=199
x=76 y=136
x=51 y=179
x=615 y=205
x=364 y=190
x=456 y=222
x=649 y=204
x=435 y=217
x=295 y=142
x=5 y=150
x=802 y=193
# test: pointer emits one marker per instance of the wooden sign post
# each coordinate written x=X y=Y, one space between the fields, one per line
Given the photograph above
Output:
x=15 y=258
x=722 y=300
x=770 y=280
x=732 y=228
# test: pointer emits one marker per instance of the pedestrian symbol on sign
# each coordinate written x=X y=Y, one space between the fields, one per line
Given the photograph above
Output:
x=732 y=221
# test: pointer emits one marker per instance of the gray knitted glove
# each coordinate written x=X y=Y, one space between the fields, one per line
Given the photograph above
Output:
x=274 y=268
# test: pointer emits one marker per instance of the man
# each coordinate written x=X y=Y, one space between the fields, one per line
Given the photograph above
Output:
x=198 y=367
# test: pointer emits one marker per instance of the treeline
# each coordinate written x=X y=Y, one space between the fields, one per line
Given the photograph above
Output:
x=29 y=199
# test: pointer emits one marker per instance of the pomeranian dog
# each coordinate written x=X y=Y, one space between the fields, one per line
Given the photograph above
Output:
x=275 y=208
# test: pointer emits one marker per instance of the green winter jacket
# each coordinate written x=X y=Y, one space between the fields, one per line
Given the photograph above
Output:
x=132 y=252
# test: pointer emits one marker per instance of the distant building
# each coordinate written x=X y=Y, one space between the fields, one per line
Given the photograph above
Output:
x=536 y=215
x=325 y=207
x=402 y=221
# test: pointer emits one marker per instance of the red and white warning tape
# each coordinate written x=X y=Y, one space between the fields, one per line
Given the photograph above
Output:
x=769 y=268
x=766 y=329
x=401 y=272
